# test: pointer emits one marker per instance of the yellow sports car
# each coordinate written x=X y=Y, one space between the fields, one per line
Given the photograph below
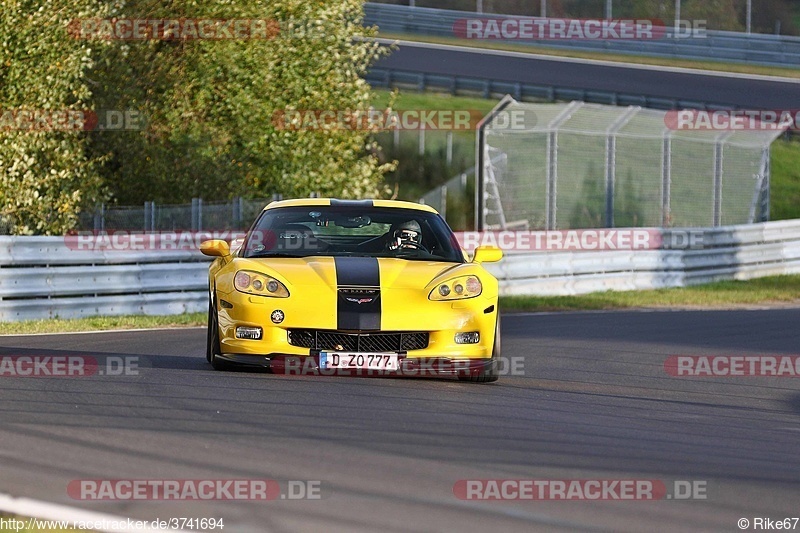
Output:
x=354 y=287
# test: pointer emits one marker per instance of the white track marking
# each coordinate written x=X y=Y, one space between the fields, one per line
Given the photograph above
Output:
x=26 y=507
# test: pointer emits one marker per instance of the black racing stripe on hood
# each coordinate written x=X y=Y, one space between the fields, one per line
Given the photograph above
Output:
x=358 y=302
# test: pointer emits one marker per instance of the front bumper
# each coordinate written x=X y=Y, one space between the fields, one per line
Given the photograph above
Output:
x=441 y=320
x=292 y=365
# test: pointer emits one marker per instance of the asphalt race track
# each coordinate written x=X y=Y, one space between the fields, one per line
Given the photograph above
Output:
x=744 y=91
x=595 y=402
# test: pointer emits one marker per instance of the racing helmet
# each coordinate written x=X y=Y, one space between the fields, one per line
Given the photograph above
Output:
x=406 y=235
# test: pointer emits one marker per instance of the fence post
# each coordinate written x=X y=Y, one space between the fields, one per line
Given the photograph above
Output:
x=611 y=160
x=765 y=202
x=449 y=148
x=197 y=214
x=549 y=184
x=99 y=222
x=717 y=196
x=718 y=159
x=610 y=178
x=666 y=180
x=238 y=212
x=480 y=160
x=552 y=162
x=147 y=217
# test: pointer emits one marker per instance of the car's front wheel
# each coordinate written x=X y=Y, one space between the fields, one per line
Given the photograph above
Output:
x=213 y=348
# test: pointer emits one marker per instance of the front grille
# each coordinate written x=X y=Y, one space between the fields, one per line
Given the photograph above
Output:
x=316 y=339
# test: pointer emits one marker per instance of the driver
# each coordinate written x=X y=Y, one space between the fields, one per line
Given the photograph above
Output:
x=406 y=236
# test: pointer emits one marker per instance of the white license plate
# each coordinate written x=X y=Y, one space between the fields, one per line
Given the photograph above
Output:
x=366 y=361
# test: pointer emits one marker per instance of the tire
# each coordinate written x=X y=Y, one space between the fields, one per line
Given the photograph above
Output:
x=212 y=340
x=209 y=335
x=490 y=373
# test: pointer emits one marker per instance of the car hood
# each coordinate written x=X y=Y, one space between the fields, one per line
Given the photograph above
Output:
x=390 y=273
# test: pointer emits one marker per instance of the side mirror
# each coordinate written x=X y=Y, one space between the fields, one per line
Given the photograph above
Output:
x=215 y=247
x=487 y=254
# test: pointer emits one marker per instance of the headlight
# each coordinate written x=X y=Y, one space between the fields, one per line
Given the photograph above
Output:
x=457 y=289
x=259 y=284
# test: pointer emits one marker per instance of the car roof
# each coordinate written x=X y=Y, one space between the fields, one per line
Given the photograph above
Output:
x=310 y=202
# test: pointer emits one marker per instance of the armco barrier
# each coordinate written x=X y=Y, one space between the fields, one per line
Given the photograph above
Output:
x=41 y=277
x=421 y=81
x=725 y=46
x=724 y=253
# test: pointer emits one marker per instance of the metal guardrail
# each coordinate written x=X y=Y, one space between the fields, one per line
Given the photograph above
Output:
x=42 y=277
x=421 y=81
x=727 y=253
x=757 y=49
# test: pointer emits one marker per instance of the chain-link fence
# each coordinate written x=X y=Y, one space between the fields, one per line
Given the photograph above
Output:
x=236 y=214
x=578 y=165
x=454 y=200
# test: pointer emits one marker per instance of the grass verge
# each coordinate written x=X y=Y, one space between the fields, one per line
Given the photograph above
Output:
x=773 y=290
x=784 y=199
x=788 y=72
x=432 y=101
x=97 y=323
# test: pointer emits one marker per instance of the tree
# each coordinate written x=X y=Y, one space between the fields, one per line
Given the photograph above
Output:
x=45 y=176
x=212 y=106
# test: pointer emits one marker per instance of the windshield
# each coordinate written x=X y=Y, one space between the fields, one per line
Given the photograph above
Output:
x=352 y=231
